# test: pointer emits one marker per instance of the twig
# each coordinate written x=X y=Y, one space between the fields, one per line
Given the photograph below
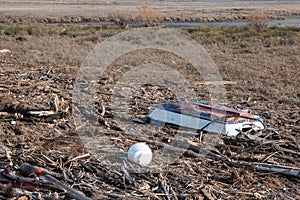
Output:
x=49 y=160
x=174 y=194
x=198 y=150
x=284 y=170
x=102 y=110
x=267 y=158
x=164 y=188
x=279 y=148
x=127 y=178
x=206 y=194
x=217 y=83
x=277 y=169
x=43 y=113
x=78 y=157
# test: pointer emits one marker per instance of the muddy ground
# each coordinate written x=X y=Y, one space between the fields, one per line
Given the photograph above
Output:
x=39 y=72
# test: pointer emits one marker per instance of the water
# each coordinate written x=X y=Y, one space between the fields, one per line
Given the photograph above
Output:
x=292 y=21
x=288 y=22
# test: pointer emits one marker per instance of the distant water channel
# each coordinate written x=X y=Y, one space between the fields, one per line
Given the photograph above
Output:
x=288 y=22
x=291 y=21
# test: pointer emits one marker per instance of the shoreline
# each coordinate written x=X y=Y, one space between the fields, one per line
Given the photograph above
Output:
x=289 y=21
x=25 y=20
x=26 y=12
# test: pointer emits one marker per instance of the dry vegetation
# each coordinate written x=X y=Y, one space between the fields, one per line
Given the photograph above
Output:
x=258 y=21
x=43 y=64
x=148 y=17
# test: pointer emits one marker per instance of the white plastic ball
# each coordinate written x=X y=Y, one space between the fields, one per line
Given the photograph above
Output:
x=140 y=153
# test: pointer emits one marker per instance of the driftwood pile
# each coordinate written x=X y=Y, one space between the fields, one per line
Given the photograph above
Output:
x=42 y=157
x=220 y=171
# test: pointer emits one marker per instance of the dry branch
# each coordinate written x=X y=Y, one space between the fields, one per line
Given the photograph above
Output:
x=78 y=157
x=27 y=169
x=43 y=113
x=198 y=151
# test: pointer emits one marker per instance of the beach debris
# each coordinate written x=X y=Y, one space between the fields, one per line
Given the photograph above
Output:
x=140 y=153
x=206 y=116
x=9 y=180
x=3 y=51
x=27 y=170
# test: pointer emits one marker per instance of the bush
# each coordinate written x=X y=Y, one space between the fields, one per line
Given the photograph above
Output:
x=258 y=21
x=147 y=17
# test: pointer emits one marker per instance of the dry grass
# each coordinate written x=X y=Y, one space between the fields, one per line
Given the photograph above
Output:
x=245 y=37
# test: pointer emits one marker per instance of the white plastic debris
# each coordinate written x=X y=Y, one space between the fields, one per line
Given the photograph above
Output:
x=3 y=51
x=206 y=116
x=140 y=153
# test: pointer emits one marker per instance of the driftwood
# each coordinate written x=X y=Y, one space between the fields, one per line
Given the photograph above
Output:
x=43 y=179
x=11 y=176
x=42 y=113
x=4 y=51
x=217 y=83
x=27 y=169
x=9 y=110
x=29 y=114
x=284 y=170
x=199 y=151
